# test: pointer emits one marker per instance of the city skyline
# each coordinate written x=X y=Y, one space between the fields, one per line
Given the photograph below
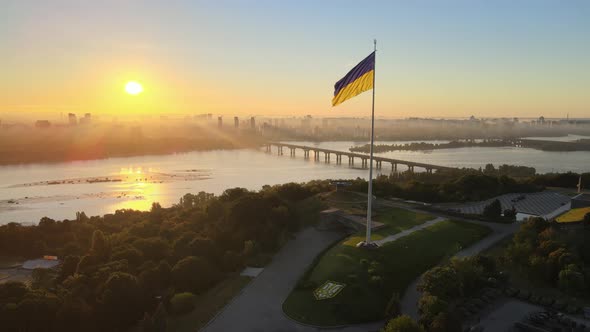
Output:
x=236 y=58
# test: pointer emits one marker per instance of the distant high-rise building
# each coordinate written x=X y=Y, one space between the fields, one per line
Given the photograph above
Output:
x=72 y=120
x=236 y=122
x=86 y=119
x=42 y=124
x=219 y=122
x=252 y=123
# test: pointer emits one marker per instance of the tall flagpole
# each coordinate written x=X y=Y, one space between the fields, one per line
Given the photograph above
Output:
x=370 y=194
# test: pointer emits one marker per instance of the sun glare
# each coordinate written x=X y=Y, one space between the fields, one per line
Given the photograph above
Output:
x=133 y=88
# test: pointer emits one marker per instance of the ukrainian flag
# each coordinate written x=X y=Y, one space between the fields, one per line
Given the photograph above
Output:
x=357 y=81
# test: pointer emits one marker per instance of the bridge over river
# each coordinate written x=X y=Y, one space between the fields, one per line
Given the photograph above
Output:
x=364 y=158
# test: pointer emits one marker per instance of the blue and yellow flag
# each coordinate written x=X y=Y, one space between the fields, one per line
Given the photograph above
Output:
x=357 y=81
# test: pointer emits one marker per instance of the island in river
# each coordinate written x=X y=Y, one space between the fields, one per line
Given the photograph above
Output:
x=579 y=145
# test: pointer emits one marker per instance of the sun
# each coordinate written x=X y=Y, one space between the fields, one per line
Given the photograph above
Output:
x=133 y=88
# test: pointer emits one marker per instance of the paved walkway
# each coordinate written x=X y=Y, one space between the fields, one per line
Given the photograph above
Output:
x=408 y=231
x=259 y=307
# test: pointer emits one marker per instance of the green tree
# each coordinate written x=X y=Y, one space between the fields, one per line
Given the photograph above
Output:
x=571 y=279
x=471 y=275
x=493 y=210
x=402 y=324
x=489 y=169
x=182 y=303
x=101 y=247
x=75 y=314
x=42 y=278
x=193 y=274
x=429 y=307
x=393 y=306
x=133 y=256
x=154 y=248
x=37 y=311
x=443 y=282
x=68 y=268
x=444 y=322
x=120 y=301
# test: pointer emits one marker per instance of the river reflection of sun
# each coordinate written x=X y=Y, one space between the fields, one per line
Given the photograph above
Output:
x=138 y=195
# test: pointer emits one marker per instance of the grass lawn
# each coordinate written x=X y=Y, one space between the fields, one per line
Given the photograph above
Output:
x=396 y=220
x=574 y=215
x=207 y=305
x=398 y=263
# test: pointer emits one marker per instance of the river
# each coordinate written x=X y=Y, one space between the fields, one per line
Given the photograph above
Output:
x=59 y=190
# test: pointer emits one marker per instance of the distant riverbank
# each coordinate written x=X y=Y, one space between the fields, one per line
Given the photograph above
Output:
x=580 y=145
x=66 y=146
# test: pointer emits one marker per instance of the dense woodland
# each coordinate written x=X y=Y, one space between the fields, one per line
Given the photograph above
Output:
x=122 y=265
x=467 y=184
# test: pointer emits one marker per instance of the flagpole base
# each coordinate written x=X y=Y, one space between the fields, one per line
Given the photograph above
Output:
x=367 y=245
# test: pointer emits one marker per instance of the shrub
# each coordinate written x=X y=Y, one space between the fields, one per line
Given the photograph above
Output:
x=376 y=281
x=510 y=214
x=352 y=278
x=402 y=324
x=524 y=295
x=193 y=274
x=572 y=309
x=546 y=301
x=182 y=303
x=493 y=210
x=559 y=304
x=393 y=306
x=364 y=262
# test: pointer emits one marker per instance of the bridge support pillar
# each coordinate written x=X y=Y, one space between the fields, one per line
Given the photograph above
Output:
x=411 y=168
x=292 y=152
x=306 y=154
x=280 y=150
x=429 y=170
x=378 y=164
